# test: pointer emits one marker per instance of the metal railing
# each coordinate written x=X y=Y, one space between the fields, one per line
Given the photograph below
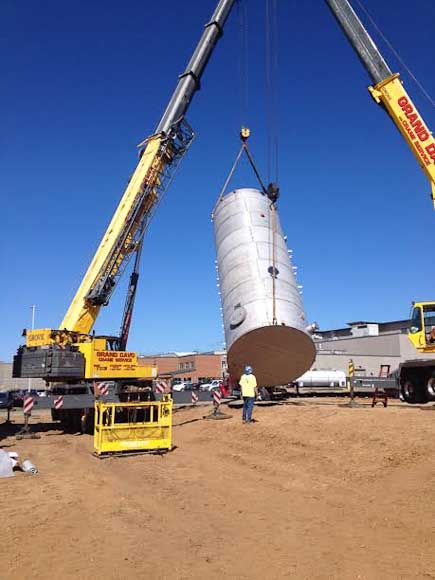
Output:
x=134 y=427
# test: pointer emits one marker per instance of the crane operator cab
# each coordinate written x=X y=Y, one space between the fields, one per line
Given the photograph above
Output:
x=422 y=326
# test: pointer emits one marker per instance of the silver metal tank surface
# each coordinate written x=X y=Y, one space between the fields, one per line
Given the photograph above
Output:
x=249 y=241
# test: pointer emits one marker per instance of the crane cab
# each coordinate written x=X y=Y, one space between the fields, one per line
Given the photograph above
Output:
x=421 y=331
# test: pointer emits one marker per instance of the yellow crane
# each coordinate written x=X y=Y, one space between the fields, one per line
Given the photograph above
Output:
x=416 y=377
x=71 y=358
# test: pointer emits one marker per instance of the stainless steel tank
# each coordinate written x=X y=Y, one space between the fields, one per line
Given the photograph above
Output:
x=263 y=315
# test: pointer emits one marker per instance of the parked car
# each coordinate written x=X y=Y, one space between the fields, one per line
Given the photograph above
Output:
x=5 y=399
x=178 y=387
x=191 y=386
x=215 y=384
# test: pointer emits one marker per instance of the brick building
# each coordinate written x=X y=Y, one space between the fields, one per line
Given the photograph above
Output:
x=195 y=367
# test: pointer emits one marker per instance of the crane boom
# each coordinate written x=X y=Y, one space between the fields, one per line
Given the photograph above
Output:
x=388 y=90
x=160 y=154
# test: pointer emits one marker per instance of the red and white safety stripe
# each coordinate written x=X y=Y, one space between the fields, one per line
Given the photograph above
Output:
x=217 y=396
x=58 y=402
x=101 y=389
x=28 y=403
x=160 y=387
x=195 y=398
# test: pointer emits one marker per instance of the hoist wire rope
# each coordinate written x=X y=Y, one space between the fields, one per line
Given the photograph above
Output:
x=275 y=87
x=254 y=167
x=231 y=173
x=243 y=60
x=271 y=89
x=271 y=118
x=396 y=54
x=267 y=88
x=274 y=272
x=243 y=149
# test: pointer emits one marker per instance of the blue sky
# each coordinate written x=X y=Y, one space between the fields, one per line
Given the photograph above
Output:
x=84 y=82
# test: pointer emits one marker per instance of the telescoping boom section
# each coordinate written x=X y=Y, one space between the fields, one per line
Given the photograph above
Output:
x=388 y=89
x=160 y=154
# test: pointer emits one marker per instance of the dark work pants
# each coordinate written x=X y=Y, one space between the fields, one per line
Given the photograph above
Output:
x=248 y=405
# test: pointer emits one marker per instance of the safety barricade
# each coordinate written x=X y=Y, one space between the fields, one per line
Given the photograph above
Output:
x=161 y=387
x=138 y=427
x=101 y=389
x=58 y=402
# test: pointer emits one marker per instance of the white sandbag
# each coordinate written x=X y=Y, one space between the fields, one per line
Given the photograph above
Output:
x=6 y=469
x=13 y=455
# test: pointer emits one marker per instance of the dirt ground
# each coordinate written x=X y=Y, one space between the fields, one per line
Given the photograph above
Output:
x=312 y=490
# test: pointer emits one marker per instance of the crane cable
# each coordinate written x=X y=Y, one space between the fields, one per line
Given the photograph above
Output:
x=243 y=61
x=272 y=134
x=244 y=134
x=396 y=54
x=271 y=89
x=267 y=88
x=272 y=193
x=275 y=84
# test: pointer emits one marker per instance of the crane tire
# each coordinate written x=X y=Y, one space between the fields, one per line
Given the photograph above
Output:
x=409 y=392
x=430 y=389
x=265 y=394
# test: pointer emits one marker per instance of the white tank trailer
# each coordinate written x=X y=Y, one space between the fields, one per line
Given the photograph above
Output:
x=263 y=315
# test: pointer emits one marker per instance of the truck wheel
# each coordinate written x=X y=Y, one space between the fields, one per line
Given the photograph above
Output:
x=409 y=392
x=430 y=389
x=413 y=393
x=265 y=395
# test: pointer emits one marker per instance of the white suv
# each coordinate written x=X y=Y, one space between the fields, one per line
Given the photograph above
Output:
x=210 y=386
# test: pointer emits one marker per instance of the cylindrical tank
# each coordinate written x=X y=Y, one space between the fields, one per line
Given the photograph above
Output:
x=263 y=315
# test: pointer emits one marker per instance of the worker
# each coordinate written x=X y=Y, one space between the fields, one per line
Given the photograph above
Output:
x=248 y=384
